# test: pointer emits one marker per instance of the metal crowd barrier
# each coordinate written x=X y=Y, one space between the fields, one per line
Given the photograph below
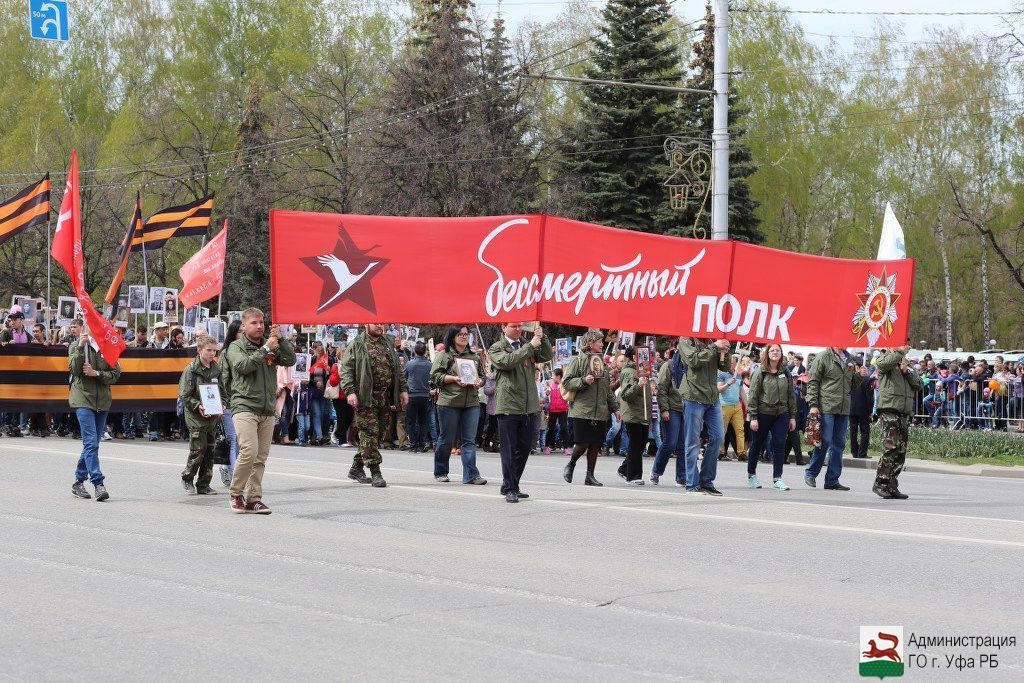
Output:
x=972 y=404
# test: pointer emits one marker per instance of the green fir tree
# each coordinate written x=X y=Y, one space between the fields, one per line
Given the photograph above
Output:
x=616 y=170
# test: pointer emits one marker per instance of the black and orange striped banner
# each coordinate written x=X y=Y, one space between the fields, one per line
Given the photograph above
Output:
x=134 y=231
x=28 y=208
x=175 y=221
x=34 y=379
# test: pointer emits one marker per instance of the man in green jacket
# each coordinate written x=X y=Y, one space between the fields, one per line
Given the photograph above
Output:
x=831 y=378
x=517 y=402
x=372 y=377
x=90 y=397
x=702 y=405
x=198 y=376
x=898 y=385
x=253 y=361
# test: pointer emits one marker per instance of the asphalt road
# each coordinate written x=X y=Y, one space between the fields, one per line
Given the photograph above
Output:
x=432 y=581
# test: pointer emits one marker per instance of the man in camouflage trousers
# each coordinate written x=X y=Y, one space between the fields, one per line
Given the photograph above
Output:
x=375 y=385
x=897 y=385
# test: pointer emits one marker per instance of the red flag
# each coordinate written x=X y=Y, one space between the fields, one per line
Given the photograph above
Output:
x=67 y=251
x=202 y=276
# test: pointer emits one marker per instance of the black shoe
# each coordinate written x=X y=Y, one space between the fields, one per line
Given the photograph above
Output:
x=606 y=451
x=801 y=463
x=359 y=475
x=896 y=493
x=511 y=497
x=591 y=481
x=622 y=473
x=522 y=495
x=836 y=487
x=881 y=492
x=189 y=487
x=405 y=448
x=78 y=491
x=710 y=490
x=567 y=473
x=205 y=491
x=101 y=493
x=377 y=480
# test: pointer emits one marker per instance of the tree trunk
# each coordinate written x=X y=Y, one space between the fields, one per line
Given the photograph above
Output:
x=986 y=317
x=948 y=285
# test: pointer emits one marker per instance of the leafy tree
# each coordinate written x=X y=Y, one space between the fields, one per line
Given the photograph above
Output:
x=247 y=268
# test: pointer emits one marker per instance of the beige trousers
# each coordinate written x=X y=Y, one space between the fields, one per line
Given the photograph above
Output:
x=255 y=433
x=734 y=415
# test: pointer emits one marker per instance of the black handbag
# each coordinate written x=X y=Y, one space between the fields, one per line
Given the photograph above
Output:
x=221 y=448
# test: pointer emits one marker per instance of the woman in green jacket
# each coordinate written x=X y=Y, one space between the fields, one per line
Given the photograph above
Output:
x=587 y=381
x=635 y=394
x=771 y=405
x=458 y=405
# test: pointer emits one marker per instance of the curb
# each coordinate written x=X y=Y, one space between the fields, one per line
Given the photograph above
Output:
x=935 y=467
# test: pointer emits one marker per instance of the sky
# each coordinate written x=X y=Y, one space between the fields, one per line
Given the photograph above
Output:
x=518 y=11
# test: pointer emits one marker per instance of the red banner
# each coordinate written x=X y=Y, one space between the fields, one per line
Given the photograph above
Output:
x=67 y=251
x=202 y=276
x=329 y=268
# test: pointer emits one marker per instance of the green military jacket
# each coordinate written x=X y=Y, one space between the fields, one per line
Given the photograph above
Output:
x=254 y=375
x=669 y=396
x=703 y=361
x=90 y=392
x=455 y=395
x=635 y=397
x=196 y=373
x=357 y=371
x=829 y=384
x=515 y=390
x=771 y=394
x=593 y=401
x=896 y=391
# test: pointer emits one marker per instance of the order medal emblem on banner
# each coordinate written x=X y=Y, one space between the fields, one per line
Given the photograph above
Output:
x=877 y=312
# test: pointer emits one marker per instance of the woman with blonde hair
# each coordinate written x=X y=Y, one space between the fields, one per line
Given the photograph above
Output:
x=772 y=407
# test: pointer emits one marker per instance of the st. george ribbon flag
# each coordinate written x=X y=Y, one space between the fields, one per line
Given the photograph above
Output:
x=330 y=268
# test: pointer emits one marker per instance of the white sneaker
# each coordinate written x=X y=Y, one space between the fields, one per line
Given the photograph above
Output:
x=635 y=482
x=780 y=485
x=752 y=481
x=106 y=436
x=334 y=440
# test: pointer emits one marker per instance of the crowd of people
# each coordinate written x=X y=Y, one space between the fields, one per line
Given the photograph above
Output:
x=691 y=401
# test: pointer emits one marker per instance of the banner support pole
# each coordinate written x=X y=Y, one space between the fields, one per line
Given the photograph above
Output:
x=49 y=263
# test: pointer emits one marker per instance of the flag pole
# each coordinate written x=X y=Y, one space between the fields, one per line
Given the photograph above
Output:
x=49 y=260
x=145 y=281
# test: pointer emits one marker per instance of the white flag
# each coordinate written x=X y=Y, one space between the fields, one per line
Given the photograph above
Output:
x=891 y=246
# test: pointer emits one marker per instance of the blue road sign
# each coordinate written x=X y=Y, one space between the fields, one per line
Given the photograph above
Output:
x=48 y=19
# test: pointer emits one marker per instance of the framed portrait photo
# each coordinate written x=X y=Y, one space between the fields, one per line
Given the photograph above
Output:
x=465 y=368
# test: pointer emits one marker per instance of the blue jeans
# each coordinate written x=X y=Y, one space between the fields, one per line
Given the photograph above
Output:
x=655 y=433
x=695 y=416
x=461 y=423
x=315 y=418
x=232 y=436
x=432 y=419
x=92 y=424
x=833 y=441
x=130 y=421
x=775 y=428
x=672 y=443
x=616 y=427
x=303 y=423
